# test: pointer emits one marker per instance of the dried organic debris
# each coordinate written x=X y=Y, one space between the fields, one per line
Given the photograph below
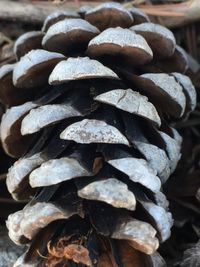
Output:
x=64 y=251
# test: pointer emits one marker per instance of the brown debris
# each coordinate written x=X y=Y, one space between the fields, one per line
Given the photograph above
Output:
x=62 y=251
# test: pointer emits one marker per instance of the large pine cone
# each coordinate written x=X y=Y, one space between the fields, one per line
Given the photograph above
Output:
x=94 y=150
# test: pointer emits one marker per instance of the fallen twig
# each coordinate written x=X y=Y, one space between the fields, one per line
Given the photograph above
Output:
x=33 y=13
x=171 y=15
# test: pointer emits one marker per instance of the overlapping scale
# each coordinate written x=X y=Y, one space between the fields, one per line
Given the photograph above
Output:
x=94 y=145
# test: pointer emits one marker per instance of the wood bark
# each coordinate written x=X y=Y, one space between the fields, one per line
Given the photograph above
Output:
x=36 y=12
x=192 y=14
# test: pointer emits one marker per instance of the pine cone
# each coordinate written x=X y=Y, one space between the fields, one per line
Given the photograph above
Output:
x=92 y=130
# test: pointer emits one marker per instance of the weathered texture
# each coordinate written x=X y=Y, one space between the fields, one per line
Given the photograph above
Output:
x=191 y=96
x=138 y=171
x=27 y=42
x=173 y=150
x=162 y=218
x=25 y=74
x=117 y=16
x=20 y=171
x=58 y=16
x=132 y=102
x=78 y=69
x=43 y=116
x=69 y=34
x=160 y=39
x=153 y=155
x=141 y=235
x=121 y=42
x=10 y=128
x=27 y=223
x=169 y=85
x=60 y=169
x=93 y=131
x=111 y=191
